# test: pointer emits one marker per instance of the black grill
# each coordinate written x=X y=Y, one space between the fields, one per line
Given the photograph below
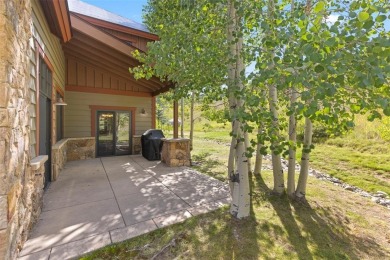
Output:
x=152 y=144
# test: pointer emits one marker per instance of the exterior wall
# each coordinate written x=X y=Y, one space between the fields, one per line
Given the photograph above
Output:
x=85 y=74
x=78 y=112
x=52 y=49
x=80 y=148
x=21 y=179
x=50 y=44
x=59 y=152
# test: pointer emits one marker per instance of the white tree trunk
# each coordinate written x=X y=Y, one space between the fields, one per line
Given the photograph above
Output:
x=233 y=175
x=240 y=206
x=192 y=121
x=259 y=156
x=182 y=117
x=276 y=159
x=304 y=173
x=242 y=159
x=292 y=136
x=247 y=145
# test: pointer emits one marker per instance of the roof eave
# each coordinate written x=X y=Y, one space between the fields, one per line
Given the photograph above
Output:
x=117 y=27
x=57 y=14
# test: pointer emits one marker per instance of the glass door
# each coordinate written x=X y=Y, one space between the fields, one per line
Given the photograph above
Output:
x=113 y=135
x=105 y=134
x=122 y=144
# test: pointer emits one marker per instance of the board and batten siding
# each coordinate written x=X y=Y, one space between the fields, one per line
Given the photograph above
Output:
x=78 y=111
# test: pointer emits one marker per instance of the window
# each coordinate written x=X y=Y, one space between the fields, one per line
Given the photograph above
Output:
x=45 y=83
x=59 y=120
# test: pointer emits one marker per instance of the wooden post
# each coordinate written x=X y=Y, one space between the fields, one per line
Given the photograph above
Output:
x=175 y=119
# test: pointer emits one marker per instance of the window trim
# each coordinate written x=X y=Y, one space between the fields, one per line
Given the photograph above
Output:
x=39 y=53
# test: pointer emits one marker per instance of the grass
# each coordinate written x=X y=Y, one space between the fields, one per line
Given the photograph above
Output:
x=364 y=168
x=334 y=224
x=277 y=229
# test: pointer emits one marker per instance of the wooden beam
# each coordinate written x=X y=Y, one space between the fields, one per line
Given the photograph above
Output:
x=90 y=42
x=119 y=28
x=107 y=91
x=175 y=119
x=101 y=36
x=153 y=112
x=163 y=89
x=80 y=37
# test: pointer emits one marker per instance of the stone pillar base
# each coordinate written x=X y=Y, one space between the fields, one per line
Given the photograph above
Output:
x=136 y=144
x=176 y=152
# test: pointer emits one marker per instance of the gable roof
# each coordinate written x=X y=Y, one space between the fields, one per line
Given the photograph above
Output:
x=82 y=8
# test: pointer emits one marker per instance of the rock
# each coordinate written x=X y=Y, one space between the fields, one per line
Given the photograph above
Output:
x=381 y=194
x=350 y=188
x=384 y=202
x=335 y=180
x=365 y=194
x=375 y=199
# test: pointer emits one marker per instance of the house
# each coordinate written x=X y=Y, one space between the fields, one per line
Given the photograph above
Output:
x=64 y=52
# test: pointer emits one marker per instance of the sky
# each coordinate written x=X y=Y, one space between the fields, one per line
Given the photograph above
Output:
x=131 y=9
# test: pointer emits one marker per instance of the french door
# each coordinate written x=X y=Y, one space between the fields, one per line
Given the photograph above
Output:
x=113 y=133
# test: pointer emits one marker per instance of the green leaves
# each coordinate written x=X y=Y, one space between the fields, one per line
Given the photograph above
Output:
x=363 y=16
x=319 y=7
x=381 y=18
x=319 y=68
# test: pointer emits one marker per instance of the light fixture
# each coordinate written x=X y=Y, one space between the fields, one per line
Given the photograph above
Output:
x=143 y=111
x=60 y=102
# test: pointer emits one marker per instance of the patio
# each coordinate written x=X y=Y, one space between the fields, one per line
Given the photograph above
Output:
x=106 y=200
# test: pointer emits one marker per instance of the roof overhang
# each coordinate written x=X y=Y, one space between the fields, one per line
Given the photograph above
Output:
x=101 y=36
x=117 y=27
x=57 y=15
x=99 y=50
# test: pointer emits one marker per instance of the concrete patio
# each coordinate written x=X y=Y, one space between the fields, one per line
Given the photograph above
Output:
x=106 y=200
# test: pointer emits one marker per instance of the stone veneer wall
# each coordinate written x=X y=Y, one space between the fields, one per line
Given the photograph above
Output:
x=136 y=144
x=71 y=149
x=59 y=158
x=176 y=152
x=81 y=148
x=21 y=179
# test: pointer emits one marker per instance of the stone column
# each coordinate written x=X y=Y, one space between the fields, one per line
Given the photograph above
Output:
x=136 y=144
x=176 y=152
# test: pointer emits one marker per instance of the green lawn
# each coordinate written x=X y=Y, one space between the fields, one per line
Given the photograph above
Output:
x=334 y=224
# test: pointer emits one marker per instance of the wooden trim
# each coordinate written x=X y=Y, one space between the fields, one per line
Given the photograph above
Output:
x=101 y=36
x=95 y=108
x=61 y=14
x=107 y=91
x=42 y=53
x=57 y=15
x=67 y=33
x=119 y=28
x=175 y=119
x=153 y=112
x=37 y=76
x=163 y=89
x=62 y=94
x=53 y=111
x=60 y=91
